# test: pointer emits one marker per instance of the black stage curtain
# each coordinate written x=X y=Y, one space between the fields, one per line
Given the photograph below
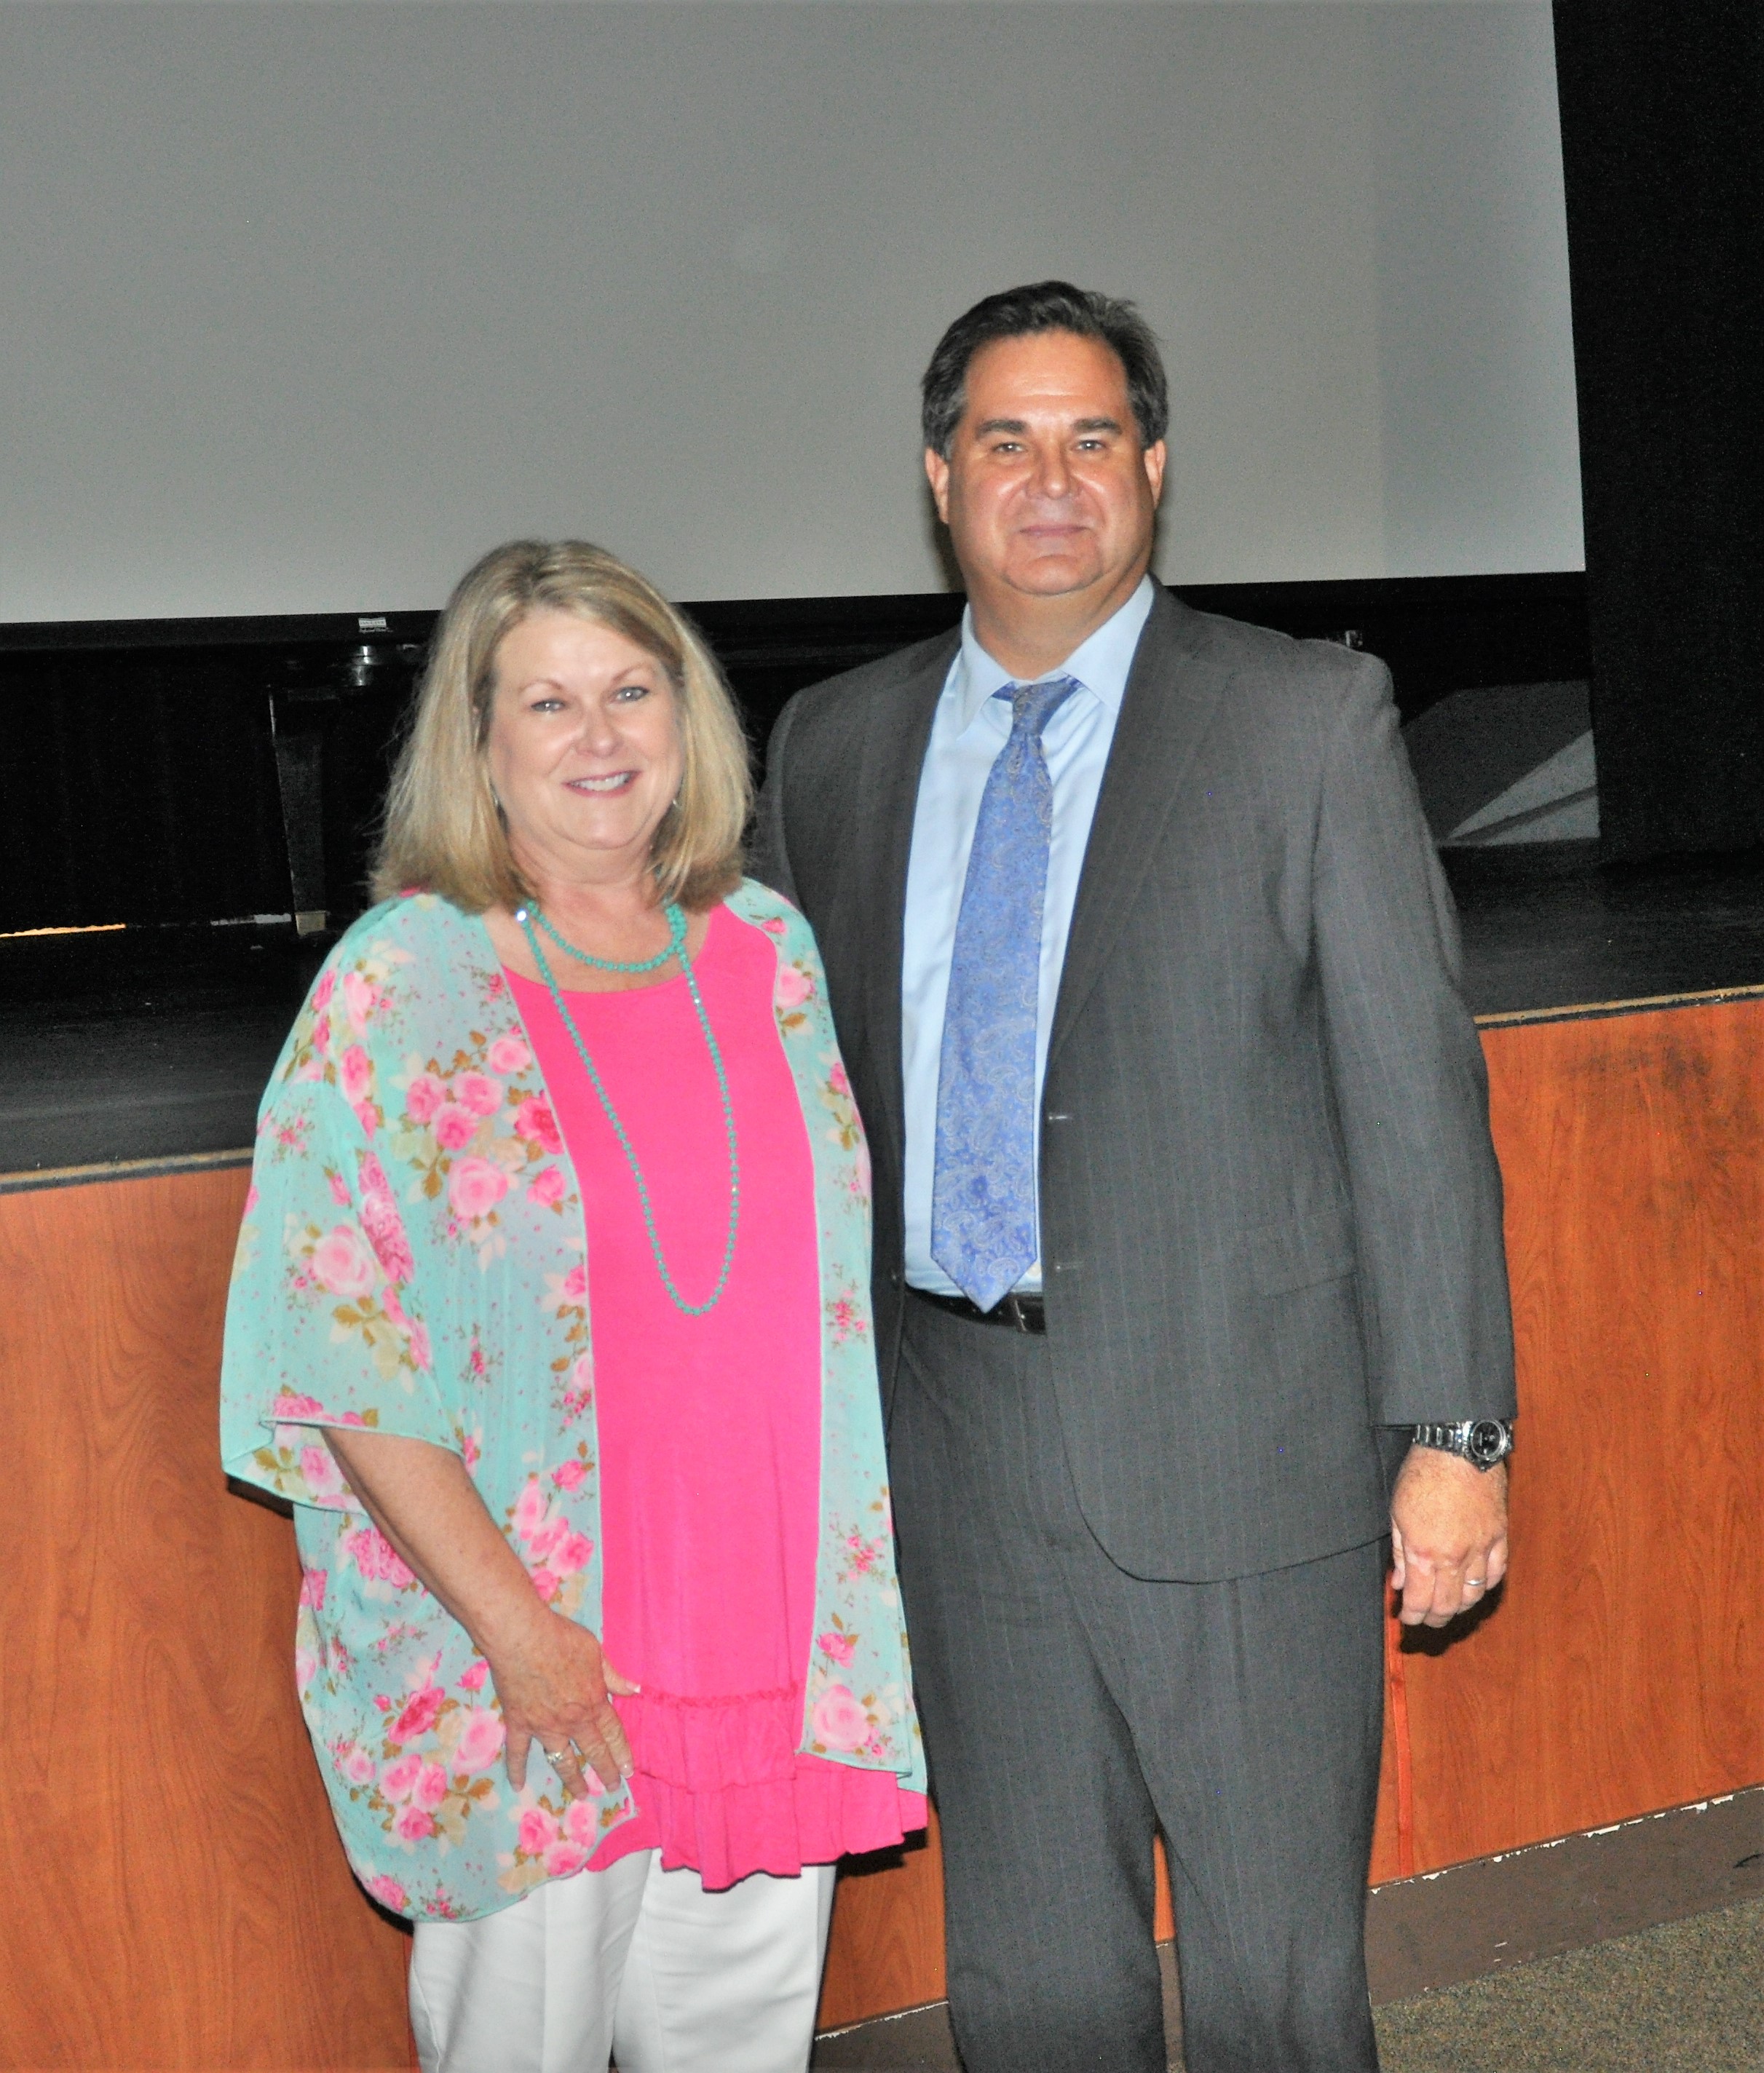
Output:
x=1660 y=101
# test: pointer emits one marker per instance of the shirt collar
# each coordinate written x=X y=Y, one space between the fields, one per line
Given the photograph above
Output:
x=1100 y=663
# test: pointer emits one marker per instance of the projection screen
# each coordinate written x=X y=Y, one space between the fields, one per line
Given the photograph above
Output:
x=305 y=305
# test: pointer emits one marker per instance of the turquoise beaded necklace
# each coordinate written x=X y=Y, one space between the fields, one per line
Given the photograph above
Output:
x=676 y=921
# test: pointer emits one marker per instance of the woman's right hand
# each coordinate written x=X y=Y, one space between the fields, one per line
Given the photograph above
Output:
x=552 y=1681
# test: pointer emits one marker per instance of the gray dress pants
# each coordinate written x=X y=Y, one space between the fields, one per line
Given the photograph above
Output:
x=1068 y=1708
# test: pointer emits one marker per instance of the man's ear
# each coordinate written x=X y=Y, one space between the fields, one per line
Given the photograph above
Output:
x=937 y=473
x=1154 y=458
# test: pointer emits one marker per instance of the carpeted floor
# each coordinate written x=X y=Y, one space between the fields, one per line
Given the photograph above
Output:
x=1688 y=1998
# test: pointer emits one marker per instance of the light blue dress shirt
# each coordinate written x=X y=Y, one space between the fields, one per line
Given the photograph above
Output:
x=969 y=728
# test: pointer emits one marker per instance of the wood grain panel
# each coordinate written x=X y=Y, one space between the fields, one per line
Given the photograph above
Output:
x=1620 y=1671
x=1387 y=1861
x=179 y=1899
x=886 y=1949
x=176 y=1896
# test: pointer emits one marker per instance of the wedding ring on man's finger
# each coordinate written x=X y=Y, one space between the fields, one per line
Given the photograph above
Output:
x=1473 y=1583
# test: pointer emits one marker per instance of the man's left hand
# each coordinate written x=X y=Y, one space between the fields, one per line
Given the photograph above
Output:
x=1448 y=1535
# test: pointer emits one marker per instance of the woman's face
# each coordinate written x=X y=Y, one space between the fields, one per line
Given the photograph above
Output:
x=584 y=747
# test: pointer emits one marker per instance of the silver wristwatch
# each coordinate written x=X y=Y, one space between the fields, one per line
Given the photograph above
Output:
x=1480 y=1441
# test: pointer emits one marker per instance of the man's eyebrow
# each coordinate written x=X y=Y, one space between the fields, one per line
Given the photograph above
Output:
x=1018 y=426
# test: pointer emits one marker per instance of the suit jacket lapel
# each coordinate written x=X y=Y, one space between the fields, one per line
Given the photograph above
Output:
x=893 y=755
x=1172 y=692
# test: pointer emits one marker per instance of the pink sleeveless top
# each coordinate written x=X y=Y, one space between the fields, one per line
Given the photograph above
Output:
x=710 y=1427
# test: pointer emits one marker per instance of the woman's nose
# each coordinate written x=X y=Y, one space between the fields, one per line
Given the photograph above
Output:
x=599 y=734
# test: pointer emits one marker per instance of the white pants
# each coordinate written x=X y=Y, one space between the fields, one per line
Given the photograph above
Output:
x=633 y=1962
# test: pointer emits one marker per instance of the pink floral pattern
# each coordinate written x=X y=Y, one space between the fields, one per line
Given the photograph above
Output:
x=795 y=986
x=837 y=1647
x=841 y=1723
x=413 y=1241
x=848 y=1315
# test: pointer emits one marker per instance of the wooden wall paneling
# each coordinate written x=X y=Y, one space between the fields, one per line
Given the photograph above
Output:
x=1620 y=1670
x=1163 y=1907
x=1385 y=1861
x=885 y=1951
x=175 y=1896
x=179 y=1896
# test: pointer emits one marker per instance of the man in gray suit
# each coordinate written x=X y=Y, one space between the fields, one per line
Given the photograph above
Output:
x=1187 y=1225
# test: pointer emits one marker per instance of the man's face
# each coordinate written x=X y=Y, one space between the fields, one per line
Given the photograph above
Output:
x=1047 y=491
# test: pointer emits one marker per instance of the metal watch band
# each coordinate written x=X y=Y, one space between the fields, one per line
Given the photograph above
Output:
x=1480 y=1441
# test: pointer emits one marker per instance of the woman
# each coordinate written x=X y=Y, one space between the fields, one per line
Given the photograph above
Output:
x=599 y=1641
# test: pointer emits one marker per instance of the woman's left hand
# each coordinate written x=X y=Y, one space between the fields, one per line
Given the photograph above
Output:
x=553 y=1682
x=551 y=1679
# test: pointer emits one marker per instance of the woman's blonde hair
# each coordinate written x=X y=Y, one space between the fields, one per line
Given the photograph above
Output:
x=443 y=831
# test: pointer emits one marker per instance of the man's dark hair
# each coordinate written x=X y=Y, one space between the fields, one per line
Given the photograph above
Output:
x=1047 y=306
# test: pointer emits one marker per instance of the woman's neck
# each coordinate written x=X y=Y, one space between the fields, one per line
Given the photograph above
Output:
x=622 y=920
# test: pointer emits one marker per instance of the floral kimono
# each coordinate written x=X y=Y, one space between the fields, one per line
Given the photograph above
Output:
x=412 y=1260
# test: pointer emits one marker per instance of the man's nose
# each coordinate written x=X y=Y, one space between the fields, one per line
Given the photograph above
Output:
x=1052 y=472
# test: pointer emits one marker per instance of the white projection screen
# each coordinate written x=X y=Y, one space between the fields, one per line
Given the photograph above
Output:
x=304 y=306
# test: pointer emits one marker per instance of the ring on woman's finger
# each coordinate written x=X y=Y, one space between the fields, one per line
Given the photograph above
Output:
x=567 y=1755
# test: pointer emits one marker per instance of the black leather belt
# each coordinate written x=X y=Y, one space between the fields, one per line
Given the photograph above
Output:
x=1014 y=1313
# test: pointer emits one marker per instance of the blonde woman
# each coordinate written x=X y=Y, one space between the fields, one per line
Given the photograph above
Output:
x=552 y=1318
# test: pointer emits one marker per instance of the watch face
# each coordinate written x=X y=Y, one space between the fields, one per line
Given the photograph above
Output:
x=1487 y=1440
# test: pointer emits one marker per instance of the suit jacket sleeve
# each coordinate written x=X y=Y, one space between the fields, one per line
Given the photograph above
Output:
x=1411 y=1086
x=769 y=859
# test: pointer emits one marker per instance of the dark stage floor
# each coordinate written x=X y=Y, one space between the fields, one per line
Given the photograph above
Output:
x=154 y=1044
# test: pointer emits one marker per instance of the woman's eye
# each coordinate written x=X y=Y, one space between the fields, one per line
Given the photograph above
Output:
x=632 y=691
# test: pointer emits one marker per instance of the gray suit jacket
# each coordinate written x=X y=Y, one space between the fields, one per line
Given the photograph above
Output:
x=1270 y=1212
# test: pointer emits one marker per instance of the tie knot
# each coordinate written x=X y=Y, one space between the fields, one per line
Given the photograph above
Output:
x=1032 y=706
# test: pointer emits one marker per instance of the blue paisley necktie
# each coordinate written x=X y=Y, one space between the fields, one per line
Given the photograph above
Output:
x=982 y=1188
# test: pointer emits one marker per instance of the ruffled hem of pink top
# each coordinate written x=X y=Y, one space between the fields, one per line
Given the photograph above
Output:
x=713 y=1792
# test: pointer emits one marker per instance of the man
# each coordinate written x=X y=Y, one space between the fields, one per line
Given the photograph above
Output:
x=1186 y=1219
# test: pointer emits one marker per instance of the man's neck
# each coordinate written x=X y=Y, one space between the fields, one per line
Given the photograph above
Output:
x=1031 y=636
